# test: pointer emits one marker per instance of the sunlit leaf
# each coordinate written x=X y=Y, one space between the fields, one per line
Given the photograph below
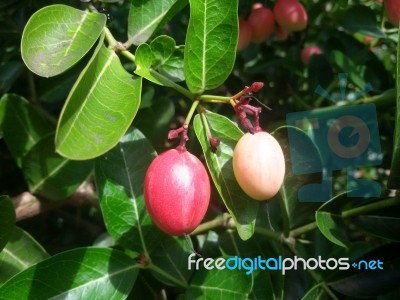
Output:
x=210 y=47
x=99 y=109
x=146 y=16
x=58 y=36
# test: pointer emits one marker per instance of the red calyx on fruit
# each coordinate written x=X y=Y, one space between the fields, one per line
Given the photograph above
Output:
x=392 y=10
x=309 y=51
x=177 y=191
x=259 y=165
x=245 y=33
x=291 y=15
x=262 y=22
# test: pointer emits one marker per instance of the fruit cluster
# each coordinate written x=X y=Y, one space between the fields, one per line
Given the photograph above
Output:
x=262 y=22
x=177 y=186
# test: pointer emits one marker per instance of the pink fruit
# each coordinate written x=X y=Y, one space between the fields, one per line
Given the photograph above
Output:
x=245 y=33
x=291 y=15
x=259 y=165
x=177 y=191
x=392 y=9
x=261 y=20
x=309 y=51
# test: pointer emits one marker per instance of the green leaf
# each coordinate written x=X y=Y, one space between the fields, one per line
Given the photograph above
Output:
x=160 y=59
x=242 y=208
x=23 y=126
x=331 y=223
x=146 y=16
x=99 y=109
x=361 y=19
x=21 y=252
x=50 y=175
x=210 y=47
x=144 y=59
x=58 y=36
x=7 y=220
x=167 y=58
x=394 y=177
x=119 y=180
x=81 y=273
x=220 y=284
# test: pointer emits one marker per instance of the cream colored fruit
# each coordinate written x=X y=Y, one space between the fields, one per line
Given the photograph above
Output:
x=259 y=165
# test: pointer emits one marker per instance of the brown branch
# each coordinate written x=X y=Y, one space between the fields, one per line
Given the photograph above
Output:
x=28 y=205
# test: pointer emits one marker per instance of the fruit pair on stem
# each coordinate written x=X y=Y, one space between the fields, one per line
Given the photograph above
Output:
x=177 y=187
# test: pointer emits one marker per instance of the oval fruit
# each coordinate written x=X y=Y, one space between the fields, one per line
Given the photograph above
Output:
x=262 y=22
x=291 y=15
x=259 y=165
x=245 y=33
x=309 y=51
x=392 y=9
x=177 y=191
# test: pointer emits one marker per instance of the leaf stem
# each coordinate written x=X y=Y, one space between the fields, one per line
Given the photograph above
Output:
x=160 y=271
x=191 y=112
x=213 y=98
x=219 y=221
x=166 y=81
x=370 y=207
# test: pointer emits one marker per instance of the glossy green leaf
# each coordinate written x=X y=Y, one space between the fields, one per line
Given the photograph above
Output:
x=361 y=19
x=99 y=109
x=167 y=58
x=119 y=179
x=7 y=220
x=330 y=222
x=144 y=60
x=242 y=208
x=394 y=177
x=23 y=126
x=75 y=274
x=210 y=47
x=21 y=251
x=220 y=284
x=146 y=16
x=9 y=73
x=50 y=175
x=169 y=261
x=58 y=36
